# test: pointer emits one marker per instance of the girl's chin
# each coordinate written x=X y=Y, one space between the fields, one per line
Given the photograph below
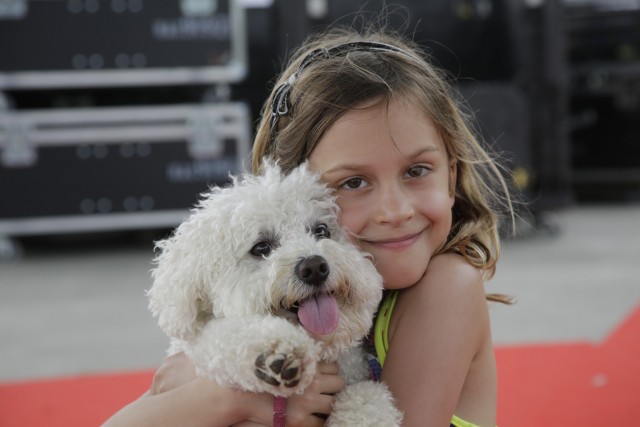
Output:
x=402 y=269
x=401 y=280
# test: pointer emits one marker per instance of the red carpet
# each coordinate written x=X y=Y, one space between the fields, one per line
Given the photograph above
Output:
x=82 y=401
x=577 y=384
x=540 y=385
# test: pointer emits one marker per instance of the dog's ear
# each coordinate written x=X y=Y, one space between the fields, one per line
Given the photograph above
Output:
x=178 y=296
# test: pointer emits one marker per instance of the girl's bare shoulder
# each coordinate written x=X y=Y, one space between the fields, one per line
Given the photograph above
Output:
x=450 y=276
x=436 y=331
x=450 y=294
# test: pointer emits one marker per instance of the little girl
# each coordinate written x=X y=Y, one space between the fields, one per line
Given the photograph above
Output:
x=419 y=193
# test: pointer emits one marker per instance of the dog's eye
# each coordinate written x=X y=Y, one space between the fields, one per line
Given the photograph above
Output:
x=322 y=231
x=261 y=249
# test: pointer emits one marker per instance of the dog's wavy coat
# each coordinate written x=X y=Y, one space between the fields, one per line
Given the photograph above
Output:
x=260 y=283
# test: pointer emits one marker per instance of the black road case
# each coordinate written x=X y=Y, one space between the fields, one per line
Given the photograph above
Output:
x=131 y=162
x=101 y=43
x=115 y=168
x=74 y=170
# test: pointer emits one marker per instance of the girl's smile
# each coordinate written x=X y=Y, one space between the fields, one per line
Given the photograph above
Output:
x=392 y=177
x=398 y=243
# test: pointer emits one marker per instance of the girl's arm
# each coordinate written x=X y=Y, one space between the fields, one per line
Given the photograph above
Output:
x=439 y=329
x=179 y=398
x=197 y=403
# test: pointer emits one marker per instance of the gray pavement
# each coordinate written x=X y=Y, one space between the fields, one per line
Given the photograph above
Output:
x=69 y=308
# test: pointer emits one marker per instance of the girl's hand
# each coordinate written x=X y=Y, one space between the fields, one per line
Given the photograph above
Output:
x=310 y=408
x=317 y=398
x=176 y=370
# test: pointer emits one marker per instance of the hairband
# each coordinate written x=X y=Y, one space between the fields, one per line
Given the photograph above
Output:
x=281 y=105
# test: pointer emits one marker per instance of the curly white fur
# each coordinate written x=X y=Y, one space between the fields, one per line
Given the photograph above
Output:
x=232 y=310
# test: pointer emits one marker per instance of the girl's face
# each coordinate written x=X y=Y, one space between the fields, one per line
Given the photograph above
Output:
x=393 y=180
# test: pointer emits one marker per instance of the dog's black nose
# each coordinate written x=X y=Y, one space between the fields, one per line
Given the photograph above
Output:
x=313 y=270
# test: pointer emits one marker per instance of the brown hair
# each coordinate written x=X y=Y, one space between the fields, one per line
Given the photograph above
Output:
x=331 y=85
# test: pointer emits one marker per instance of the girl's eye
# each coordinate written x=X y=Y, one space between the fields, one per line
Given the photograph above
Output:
x=417 y=171
x=261 y=249
x=354 y=184
x=322 y=231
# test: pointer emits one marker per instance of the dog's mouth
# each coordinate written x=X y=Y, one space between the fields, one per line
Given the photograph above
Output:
x=318 y=314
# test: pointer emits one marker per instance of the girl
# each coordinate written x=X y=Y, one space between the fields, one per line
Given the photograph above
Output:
x=419 y=193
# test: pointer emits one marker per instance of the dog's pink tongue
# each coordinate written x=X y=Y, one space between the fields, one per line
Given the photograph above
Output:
x=319 y=314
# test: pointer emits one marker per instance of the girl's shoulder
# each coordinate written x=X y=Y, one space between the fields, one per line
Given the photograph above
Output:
x=451 y=294
x=438 y=328
x=453 y=260
x=452 y=273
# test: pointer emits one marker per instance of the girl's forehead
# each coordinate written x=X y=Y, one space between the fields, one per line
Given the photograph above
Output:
x=395 y=128
x=394 y=110
x=396 y=117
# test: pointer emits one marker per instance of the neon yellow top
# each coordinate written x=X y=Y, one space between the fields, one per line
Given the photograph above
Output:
x=381 y=341
x=380 y=332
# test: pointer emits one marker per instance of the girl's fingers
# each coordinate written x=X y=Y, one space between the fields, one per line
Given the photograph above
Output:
x=330 y=384
x=301 y=409
x=328 y=368
x=175 y=371
x=325 y=402
x=314 y=421
x=328 y=380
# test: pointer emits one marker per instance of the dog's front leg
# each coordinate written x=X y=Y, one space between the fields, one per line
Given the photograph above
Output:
x=363 y=402
x=366 y=403
x=260 y=354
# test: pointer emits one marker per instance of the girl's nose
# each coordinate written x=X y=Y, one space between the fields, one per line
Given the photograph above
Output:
x=394 y=207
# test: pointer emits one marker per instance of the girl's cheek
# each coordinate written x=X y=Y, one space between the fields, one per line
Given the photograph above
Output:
x=349 y=220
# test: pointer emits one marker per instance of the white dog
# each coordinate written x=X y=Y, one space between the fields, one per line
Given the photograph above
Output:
x=260 y=283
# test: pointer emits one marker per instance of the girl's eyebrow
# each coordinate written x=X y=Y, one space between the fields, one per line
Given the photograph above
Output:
x=423 y=150
x=342 y=167
x=355 y=166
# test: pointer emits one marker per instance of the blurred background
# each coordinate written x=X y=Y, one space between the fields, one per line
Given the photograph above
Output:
x=116 y=114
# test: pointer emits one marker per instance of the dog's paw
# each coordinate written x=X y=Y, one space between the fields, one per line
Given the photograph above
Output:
x=278 y=369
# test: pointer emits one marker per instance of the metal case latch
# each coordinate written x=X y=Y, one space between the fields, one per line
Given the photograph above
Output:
x=204 y=141
x=13 y=9
x=17 y=149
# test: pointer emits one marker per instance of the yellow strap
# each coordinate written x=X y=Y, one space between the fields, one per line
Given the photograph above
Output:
x=380 y=336
x=459 y=422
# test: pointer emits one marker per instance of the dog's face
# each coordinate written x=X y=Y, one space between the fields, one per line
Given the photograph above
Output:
x=268 y=245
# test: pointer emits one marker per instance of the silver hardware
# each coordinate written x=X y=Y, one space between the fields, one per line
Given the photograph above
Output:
x=17 y=147
x=13 y=9
x=204 y=142
x=198 y=8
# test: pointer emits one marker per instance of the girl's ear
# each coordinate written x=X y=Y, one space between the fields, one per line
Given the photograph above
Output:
x=453 y=177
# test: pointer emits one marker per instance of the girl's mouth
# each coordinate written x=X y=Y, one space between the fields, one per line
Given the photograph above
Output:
x=395 y=242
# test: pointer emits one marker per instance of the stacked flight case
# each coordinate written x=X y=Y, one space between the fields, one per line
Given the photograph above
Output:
x=128 y=165
x=604 y=46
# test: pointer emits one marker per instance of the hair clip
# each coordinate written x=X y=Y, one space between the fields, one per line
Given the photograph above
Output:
x=281 y=103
